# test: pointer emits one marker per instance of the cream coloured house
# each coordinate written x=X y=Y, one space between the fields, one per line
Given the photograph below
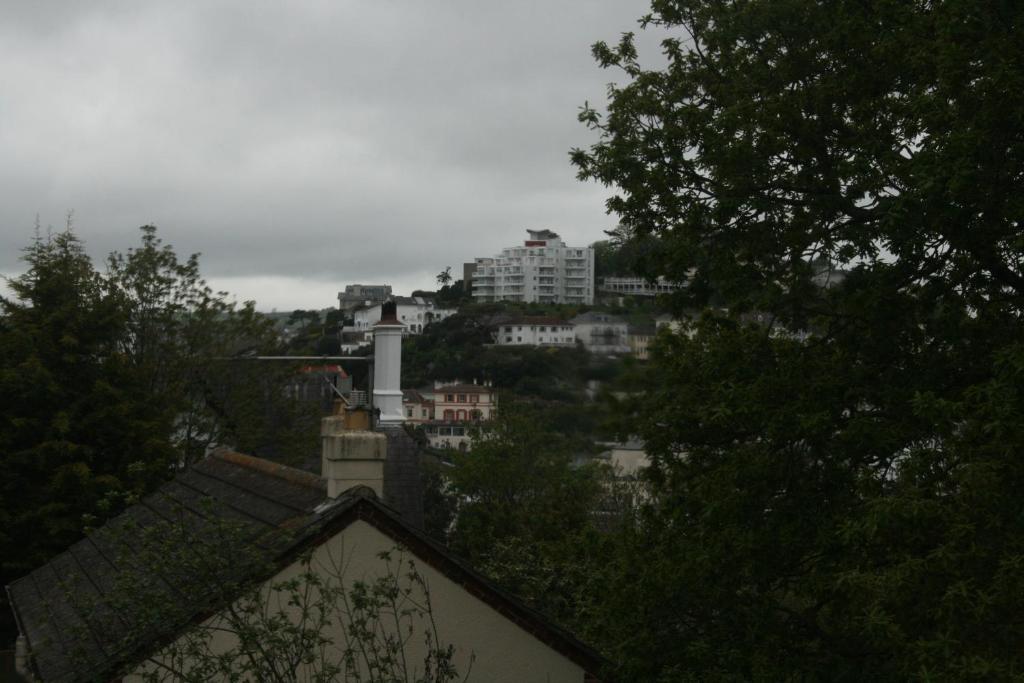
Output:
x=337 y=520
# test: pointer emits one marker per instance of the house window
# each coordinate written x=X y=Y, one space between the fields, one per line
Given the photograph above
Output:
x=423 y=413
x=449 y=398
x=519 y=339
x=476 y=414
x=461 y=415
x=508 y=329
x=474 y=398
x=508 y=340
x=462 y=398
x=543 y=329
x=408 y=412
x=449 y=415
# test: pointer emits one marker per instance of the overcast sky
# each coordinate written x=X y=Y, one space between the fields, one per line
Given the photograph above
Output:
x=302 y=145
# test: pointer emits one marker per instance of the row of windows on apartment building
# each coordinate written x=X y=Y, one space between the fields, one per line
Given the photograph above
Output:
x=542 y=340
x=519 y=251
x=453 y=415
x=543 y=328
x=451 y=398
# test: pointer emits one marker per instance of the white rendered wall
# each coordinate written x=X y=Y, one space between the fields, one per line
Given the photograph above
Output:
x=387 y=372
x=501 y=651
x=531 y=335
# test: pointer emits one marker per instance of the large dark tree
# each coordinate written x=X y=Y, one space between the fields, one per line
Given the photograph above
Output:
x=836 y=486
x=78 y=425
x=110 y=381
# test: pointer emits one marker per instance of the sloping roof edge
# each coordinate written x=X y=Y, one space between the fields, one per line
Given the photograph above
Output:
x=440 y=558
x=361 y=503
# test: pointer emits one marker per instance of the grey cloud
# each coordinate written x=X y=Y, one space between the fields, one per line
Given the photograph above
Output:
x=315 y=140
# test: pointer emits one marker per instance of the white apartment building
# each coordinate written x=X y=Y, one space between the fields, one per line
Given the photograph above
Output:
x=543 y=269
x=534 y=331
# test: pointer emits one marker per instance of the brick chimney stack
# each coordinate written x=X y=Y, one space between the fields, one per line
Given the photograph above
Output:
x=351 y=457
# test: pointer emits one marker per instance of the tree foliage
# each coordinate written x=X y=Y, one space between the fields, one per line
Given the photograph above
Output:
x=445 y=276
x=621 y=256
x=109 y=381
x=835 y=486
x=525 y=511
x=78 y=424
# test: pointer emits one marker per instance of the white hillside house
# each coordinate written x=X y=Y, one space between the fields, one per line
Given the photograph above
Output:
x=415 y=312
x=534 y=331
x=637 y=286
x=602 y=333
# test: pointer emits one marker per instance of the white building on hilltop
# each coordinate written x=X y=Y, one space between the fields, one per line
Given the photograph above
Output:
x=415 y=312
x=543 y=270
x=534 y=331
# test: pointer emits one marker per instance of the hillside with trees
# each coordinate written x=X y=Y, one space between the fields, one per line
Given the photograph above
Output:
x=836 y=473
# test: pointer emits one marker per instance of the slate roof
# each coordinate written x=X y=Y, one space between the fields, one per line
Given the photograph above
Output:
x=325 y=369
x=403 y=485
x=60 y=606
x=463 y=389
x=74 y=636
x=413 y=396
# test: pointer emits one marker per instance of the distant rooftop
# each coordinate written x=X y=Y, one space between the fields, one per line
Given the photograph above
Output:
x=543 y=235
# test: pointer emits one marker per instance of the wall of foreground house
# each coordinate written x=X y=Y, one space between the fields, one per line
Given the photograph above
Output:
x=502 y=651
